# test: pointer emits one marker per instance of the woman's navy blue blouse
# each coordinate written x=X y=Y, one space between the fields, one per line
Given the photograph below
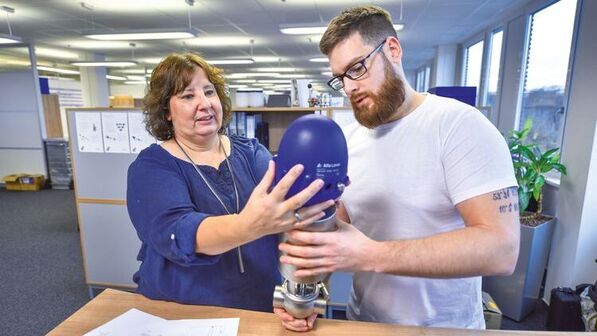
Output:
x=167 y=201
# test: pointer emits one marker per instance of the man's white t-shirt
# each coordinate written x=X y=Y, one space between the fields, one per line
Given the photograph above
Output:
x=406 y=178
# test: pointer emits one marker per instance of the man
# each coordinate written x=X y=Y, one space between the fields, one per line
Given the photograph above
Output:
x=433 y=203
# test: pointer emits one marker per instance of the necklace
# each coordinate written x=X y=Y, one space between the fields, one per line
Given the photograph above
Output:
x=241 y=264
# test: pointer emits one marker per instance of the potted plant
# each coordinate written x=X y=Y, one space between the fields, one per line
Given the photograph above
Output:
x=516 y=295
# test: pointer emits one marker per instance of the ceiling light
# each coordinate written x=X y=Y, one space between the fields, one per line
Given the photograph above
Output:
x=303 y=30
x=135 y=82
x=58 y=70
x=120 y=78
x=275 y=69
x=143 y=34
x=57 y=53
x=327 y=73
x=317 y=30
x=319 y=60
x=252 y=74
x=292 y=76
x=9 y=39
x=136 y=78
x=230 y=61
x=274 y=81
x=220 y=41
x=237 y=86
x=245 y=81
x=104 y=63
x=266 y=59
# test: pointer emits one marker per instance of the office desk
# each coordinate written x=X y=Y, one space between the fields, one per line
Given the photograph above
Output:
x=111 y=303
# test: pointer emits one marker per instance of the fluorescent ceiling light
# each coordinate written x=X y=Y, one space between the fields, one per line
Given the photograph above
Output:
x=10 y=39
x=245 y=81
x=262 y=84
x=319 y=60
x=267 y=59
x=58 y=70
x=221 y=41
x=55 y=53
x=313 y=30
x=252 y=74
x=116 y=77
x=327 y=73
x=303 y=30
x=292 y=76
x=275 y=69
x=151 y=34
x=230 y=61
x=135 y=82
x=274 y=81
x=104 y=63
x=237 y=86
x=136 y=78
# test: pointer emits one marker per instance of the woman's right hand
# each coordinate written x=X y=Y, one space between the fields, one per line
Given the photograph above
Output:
x=269 y=213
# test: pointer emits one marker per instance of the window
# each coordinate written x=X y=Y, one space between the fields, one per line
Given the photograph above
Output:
x=544 y=89
x=423 y=76
x=472 y=62
x=491 y=95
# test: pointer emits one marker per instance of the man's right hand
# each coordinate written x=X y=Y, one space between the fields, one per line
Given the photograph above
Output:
x=294 y=324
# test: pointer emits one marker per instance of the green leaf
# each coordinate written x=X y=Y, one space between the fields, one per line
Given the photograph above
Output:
x=549 y=154
x=523 y=200
x=560 y=167
x=528 y=153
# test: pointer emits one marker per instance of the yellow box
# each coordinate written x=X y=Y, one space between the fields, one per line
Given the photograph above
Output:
x=24 y=182
x=491 y=313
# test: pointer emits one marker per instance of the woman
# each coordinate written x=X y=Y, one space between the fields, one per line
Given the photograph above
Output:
x=200 y=201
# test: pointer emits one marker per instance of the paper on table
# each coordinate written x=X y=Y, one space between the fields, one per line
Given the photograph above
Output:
x=206 y=327
x=133 y=322
x=137 y=323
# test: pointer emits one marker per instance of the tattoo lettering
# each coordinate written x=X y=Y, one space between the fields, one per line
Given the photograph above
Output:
x=509 y=208
x=504 y=193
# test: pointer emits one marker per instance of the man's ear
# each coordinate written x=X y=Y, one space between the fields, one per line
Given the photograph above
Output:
x=394 y=50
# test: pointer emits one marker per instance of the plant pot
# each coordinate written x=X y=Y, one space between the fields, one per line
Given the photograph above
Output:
x=516 y=295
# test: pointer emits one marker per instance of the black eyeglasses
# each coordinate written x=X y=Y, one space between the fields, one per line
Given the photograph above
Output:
x=355 y=71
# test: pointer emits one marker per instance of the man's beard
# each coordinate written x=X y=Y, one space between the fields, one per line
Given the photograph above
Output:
x=385 y=103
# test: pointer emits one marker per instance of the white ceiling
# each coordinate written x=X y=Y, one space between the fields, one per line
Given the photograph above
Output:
x=227 y=26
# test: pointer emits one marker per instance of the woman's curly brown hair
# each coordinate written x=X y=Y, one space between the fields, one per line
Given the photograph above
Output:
x=171 y=77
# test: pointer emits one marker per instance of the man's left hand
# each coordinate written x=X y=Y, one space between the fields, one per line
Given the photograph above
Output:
x=313 y=253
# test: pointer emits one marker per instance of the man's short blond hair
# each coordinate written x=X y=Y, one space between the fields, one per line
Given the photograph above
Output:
x=373 y=23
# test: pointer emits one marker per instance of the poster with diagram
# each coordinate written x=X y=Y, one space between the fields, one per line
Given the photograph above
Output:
x=116 y=132
x=139 y=138
x=89 y=132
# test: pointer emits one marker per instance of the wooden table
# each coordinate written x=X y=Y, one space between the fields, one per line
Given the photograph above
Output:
x=111 y=303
